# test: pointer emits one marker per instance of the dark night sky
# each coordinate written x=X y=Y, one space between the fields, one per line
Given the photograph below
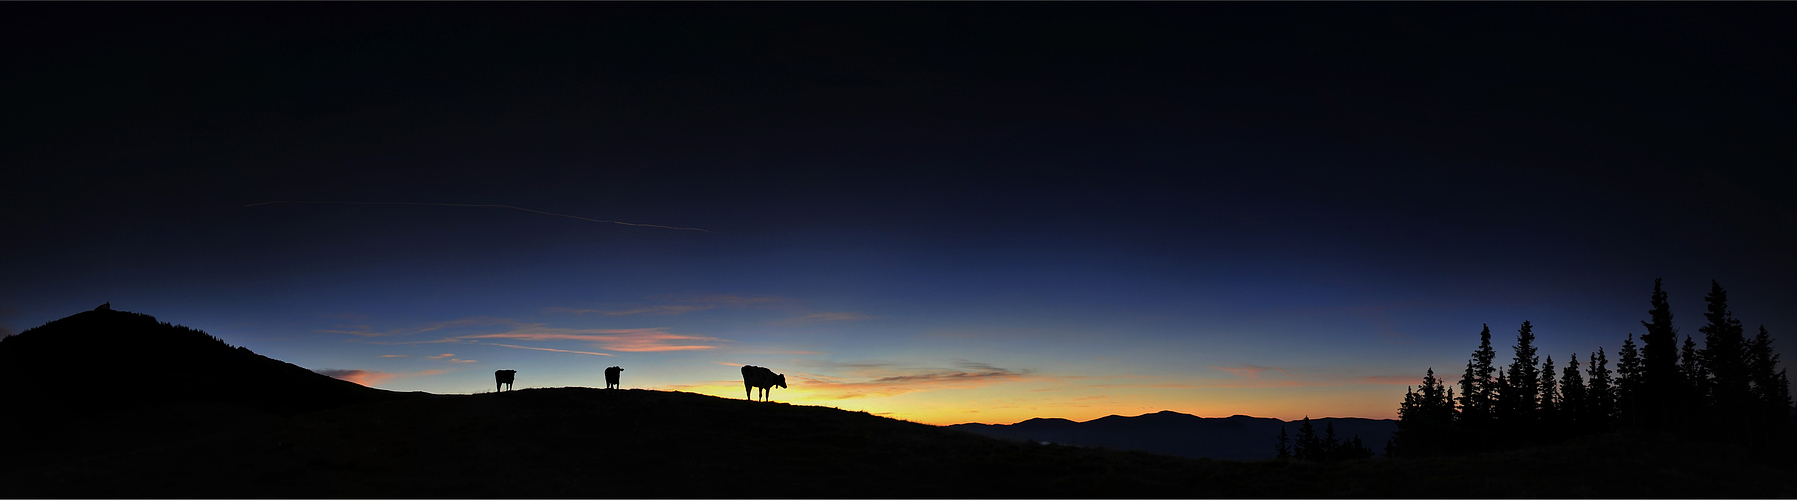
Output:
x=943 y=211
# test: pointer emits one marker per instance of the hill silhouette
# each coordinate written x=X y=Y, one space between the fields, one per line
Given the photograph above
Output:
x=1239 y=437
x=107 y=359
x=244 y=440
x=104 y=380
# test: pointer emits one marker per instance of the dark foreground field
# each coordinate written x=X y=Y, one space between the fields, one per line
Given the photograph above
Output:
x=581 y=442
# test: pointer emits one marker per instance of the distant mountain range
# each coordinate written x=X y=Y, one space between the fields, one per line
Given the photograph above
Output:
x=1240 y=437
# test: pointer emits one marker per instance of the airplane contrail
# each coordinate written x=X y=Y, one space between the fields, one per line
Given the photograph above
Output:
x=483 y=206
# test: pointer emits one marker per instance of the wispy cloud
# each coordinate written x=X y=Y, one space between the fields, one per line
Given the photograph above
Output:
x=828 y=316
x=365 y=331
x=650 y=310
x=968 y=375
x=363 y=377
x=1249 y=371
x=623 y=340
x=481 y=205
x=396 y=355
x=547 y=349
x=684 y=305
x=369 y=378
x=463 y=361
x=440 y=356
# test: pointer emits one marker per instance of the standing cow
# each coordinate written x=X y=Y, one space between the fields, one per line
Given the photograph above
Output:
x=611 y=377
x=504 y=377
x=762 y=378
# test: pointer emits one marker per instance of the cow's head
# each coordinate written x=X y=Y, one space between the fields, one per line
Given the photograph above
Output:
x=780 y=380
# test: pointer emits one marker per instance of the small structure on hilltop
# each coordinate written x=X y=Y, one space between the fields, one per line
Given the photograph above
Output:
x=104 y=307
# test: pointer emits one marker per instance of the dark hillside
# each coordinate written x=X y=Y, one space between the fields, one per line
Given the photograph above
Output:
x=107 y=381
x=582 y=442
x=107 y=360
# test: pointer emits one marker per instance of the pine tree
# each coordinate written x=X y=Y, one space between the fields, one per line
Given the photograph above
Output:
x=1525 y=383
x=1724 y=360
x=1601 y=394
x=1308 y=447
x=1695 y=396
x=1629 y=386
x=1476 y=389
x=1282 y=450
x=1575 y=403
x=1662 y=387
x=1503 y=404
x=1425 y=419
x=1549 y=391
x=1771 y=390
x=1358 y=450
x=1332 y=447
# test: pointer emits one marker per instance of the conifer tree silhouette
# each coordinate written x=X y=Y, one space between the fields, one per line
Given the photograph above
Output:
x=1662 y=383
x=1725 y=360
x=1630 y=385
x=1308 y=447
x=1549 y=402
x=1331 y=447
x=1425 y=419
x=1283 y=449
x=1476 y=386
x=1524 y=385
x=1601 y=393
x=1693 y=399
x=1771 y=389
x=1574 y=403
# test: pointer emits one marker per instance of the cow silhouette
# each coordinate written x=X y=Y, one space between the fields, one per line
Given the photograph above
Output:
x=504 y=377
x=611 y=377
x=762 y=378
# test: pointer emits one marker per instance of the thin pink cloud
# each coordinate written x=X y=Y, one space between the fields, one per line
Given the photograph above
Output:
x=548 y=349
x=1249 y=371
x=623 y=340
x=363 y=377
x=369 y=378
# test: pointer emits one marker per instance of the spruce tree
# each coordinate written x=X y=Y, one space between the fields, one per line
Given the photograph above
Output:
x=1771 y=390
x=1695 y=398
x=1425 y=419
x=1503 y=405
x=1575 y=404
x=1549 y=404
x=1331 y=447
x=1662 y=387
x=1282 y=450
x=1629 y=386
x=1308 y=446
x=1358 y=450
x=1525 y=382
x=1476 y=404
x=1724 y=360
x=1601 y=395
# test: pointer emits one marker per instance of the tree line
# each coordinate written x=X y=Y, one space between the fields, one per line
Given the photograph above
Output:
x=1730 y=389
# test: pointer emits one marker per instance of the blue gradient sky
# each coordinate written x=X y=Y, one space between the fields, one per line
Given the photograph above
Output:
x=944 y=213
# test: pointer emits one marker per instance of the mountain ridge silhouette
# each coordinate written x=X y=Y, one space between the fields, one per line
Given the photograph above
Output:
x=1236 y=437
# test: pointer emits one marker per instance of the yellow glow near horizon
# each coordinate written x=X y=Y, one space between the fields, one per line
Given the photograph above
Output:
x=1012 y=403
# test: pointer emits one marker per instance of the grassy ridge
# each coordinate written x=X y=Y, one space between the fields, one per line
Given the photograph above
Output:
x=580 y=442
